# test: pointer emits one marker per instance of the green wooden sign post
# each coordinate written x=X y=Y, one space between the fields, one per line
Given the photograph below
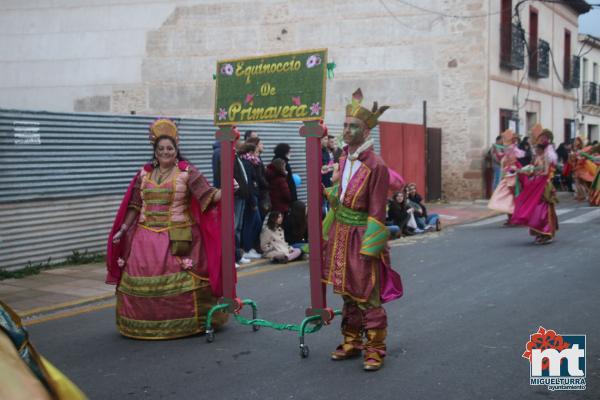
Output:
x=273 y=88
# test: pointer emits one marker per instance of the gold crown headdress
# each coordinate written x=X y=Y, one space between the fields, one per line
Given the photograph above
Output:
x=509 y=137
x=163 y=127
x=354 y=109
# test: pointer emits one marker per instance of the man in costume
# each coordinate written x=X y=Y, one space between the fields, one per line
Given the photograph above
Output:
x=356 y=259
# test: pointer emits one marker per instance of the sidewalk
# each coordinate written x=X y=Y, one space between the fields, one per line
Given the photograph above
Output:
x=64 y=290
x=461 y=212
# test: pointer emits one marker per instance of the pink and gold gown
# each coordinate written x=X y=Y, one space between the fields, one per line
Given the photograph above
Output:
x=535 y=205
x=160 y=295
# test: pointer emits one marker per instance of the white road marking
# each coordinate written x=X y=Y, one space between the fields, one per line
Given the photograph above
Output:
x=503 y=217
x=586 y=217
x=444 y=216
x=562 y=211
x=488 y=221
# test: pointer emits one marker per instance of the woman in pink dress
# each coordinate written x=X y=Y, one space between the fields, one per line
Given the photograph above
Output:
x=503 y=198
x=535 y=206
x=164 y=249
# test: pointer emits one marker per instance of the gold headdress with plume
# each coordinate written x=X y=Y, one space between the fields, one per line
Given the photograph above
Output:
x=540 y=135
x=163 y=127
x=509 y=137
x=370 y=118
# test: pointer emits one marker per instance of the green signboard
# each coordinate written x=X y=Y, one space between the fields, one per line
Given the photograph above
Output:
x=280 y=87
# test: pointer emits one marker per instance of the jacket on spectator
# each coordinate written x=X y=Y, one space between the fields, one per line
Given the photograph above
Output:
x=398 y=213
x=216 y=164
x=295 y=224
x=289 y=179
x=279 y=191
x=418 y=200
x=273 y=244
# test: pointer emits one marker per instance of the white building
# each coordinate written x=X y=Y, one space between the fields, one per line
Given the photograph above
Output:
x=541 y=84
x=589 y=93
x=465 y=58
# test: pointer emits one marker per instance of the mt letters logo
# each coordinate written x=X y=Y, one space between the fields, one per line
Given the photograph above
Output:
x=556 y=361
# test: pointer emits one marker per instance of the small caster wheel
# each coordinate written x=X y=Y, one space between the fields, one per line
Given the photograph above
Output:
x=304 y=351
x=255 y=328
x=210 y=336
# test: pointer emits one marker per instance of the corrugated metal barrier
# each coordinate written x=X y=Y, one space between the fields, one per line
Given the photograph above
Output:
x=64 y=174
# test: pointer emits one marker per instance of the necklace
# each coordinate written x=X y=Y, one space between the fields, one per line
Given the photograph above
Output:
x=161 y=175
x=354 y=156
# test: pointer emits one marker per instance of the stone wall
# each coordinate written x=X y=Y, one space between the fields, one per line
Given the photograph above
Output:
x=399 y=55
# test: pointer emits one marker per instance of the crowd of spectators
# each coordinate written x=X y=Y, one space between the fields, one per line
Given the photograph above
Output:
x=269 y=220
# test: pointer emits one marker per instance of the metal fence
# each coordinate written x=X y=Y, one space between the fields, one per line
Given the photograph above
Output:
x=63 y=175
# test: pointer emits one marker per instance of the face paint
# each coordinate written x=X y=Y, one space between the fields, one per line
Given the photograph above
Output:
x=353 y=132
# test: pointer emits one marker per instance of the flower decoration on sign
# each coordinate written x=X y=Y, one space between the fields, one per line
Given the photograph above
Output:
x=313 y=61
x=227 y=69
x=120 y=262
x=187 y=263
x=249 y=99
x=315 y=109
x=222 y=114
x=544 y=339
x=296 y=100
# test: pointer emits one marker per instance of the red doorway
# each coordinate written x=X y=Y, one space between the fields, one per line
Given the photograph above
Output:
x=403 y=150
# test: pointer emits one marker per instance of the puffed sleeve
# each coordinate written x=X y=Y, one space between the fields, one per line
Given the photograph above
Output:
x=375 y=238
x=135 y=202
x=200 y=188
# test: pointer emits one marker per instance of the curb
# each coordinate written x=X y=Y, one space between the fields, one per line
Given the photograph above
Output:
x=42 y=314
x=67 y=305
x=45 y=313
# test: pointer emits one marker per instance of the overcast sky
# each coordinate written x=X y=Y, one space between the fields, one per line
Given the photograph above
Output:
x=590 y=23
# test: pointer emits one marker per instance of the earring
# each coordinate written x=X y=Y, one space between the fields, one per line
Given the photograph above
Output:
x=155 y=162
x=177 y=161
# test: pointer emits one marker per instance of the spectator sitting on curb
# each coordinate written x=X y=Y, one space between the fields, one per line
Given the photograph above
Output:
x=415 y=201
x=272 y=241
x=399 y=215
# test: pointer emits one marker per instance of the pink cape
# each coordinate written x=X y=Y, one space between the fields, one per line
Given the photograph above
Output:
x=396 y=181
x=530 y=208
x=390 y=283
x=210 y=231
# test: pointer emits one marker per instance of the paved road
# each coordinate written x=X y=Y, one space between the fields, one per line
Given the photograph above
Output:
x=474 y=294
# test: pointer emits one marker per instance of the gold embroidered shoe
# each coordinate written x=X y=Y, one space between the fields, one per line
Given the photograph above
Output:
x=352 y=346
x=374 y=349
x=372 y=361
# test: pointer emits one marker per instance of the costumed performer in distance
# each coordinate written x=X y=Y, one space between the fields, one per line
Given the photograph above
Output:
x=503 y=198
x=535 y=205
x=584 y=169
x=594 y=156
x=164 y=250
x=356 y=260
